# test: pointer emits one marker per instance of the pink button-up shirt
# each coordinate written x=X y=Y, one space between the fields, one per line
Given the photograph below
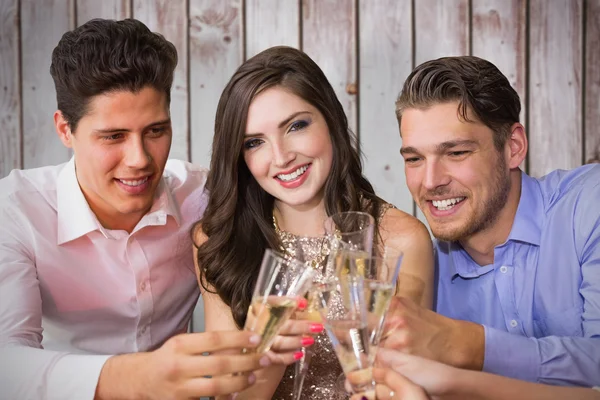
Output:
x=72 y=293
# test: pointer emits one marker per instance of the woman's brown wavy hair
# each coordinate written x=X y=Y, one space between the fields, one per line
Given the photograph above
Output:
x=238 y=218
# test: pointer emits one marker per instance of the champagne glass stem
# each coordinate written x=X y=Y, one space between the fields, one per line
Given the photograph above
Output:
x=301 y=370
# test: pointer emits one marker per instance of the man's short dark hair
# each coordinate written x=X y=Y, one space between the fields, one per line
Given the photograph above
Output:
x=104 y=55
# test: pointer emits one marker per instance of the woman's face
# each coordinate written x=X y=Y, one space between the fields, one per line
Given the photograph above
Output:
x=287 y=147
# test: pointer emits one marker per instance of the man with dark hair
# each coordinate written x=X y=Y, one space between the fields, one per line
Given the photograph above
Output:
x=518 y=258
x=96 y=253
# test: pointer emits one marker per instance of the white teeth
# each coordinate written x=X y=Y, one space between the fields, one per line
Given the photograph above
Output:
x=134 y=183
x=444 y=205
x=293 y=175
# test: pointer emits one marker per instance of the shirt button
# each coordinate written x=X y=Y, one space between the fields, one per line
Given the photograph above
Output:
x=143 y=330
x=143 y=286
x=514 y=323
x=503 y=269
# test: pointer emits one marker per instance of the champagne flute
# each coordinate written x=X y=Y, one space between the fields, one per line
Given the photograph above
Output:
x=281 y=282
x=380 y=279
x=350 y=230
x=313 y=252
x=343 y=309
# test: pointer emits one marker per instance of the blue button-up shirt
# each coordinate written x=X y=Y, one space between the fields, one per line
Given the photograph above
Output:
x=539 y=302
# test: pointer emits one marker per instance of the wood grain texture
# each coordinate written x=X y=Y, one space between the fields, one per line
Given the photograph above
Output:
x=10 y=96
x=329 y=38
x=49 y=19
x=498 y=35
x=271 y=23
x=385 y=53
x=216 y=50
x=441 y=29
x=592 y=82
x=555 y=85
x=169 y=17
x=108 y=9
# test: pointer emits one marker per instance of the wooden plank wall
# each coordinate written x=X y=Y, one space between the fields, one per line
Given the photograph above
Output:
x=550 y=51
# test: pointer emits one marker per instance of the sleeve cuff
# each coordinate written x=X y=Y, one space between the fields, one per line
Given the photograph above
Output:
x=75 y=377
x=511 y=355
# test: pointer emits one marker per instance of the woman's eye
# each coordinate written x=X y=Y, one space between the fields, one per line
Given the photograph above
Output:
x=252 y=143
x=298 y=125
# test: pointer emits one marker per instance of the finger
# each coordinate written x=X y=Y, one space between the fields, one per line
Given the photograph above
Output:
x=360 y=378
x=214 y=365
x=291 y=343
x=390 y=381
x=399 y=340
x=295 y=327
x=208 y=342
x=364 y=396
x=390 y=358
x=286 y=358
x=218 y=386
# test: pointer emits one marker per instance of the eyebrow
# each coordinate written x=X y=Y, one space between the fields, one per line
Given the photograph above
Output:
x=117 y=130
x=442 y=147
x=282 y=123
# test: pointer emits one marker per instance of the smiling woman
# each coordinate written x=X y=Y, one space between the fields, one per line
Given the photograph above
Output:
x=282 y=151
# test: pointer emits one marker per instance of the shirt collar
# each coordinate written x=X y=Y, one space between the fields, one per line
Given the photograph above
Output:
x=527 y=226
x=463 y=265
x=75 y=217
x=164 y=206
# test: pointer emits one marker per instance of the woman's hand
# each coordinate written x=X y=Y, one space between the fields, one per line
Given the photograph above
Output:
x=296 y=333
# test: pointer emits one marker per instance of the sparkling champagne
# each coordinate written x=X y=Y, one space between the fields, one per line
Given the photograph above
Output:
x=378 y=296
x=350 y=341
x=266 y=315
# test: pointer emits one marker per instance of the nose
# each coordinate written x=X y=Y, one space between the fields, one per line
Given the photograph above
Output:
x=282 y=155
x=436 y=175
x=136 y=154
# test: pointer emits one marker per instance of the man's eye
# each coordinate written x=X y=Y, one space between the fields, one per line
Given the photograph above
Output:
x=116 y=136
x=458 y=153
x=157 y=131
x=411 y=160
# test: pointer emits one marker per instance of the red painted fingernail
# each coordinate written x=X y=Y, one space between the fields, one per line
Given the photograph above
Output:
x=307 y=341
x=298 y=355
x=316 y=328
x=302 y=303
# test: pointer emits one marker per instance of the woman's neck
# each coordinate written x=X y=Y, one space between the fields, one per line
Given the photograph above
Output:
x=302 y=221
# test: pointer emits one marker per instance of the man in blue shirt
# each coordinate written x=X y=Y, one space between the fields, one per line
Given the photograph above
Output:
x=518 y=258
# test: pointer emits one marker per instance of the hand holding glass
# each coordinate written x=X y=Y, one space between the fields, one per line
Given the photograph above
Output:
x=281 y=283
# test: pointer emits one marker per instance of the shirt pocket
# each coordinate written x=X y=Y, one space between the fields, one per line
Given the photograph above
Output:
x=563 y=323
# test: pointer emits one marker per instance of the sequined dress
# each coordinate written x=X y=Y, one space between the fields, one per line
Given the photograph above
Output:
x=324 y=368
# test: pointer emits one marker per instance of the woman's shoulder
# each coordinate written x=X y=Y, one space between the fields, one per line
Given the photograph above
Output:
x=398 y=225
x=198 y=235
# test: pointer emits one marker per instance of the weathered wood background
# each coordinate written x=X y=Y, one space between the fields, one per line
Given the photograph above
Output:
x=549 y=49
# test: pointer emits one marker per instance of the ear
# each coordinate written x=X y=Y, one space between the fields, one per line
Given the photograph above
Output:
x=62 y=129
x=516 y=146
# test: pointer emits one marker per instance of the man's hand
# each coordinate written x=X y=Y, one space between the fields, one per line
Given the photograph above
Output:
x=415 y=330
x=179 y=370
